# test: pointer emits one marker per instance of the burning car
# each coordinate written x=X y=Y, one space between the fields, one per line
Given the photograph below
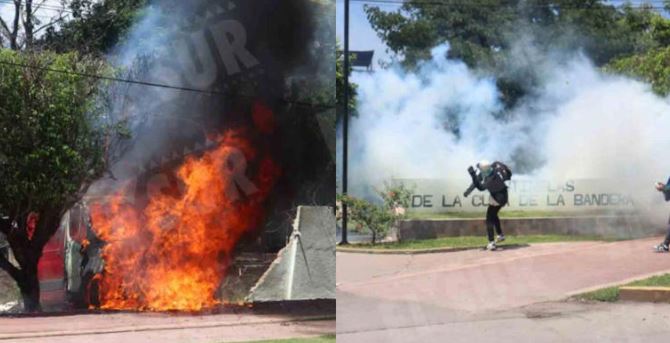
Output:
x=168 y=249
x=72 y=265
x=67 y=263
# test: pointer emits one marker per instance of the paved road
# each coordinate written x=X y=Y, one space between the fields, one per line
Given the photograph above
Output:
x=477 y=295
x=166 y=328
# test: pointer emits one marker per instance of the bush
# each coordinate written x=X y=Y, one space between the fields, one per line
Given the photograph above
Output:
x=54 y=137
x=378 y=218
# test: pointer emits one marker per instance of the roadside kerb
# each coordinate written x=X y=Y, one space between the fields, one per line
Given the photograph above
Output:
x=419 y=251
x=160 y=327
x=645 y=294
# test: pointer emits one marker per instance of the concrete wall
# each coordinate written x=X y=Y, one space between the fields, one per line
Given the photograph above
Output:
x=630 y=226
x=305 y=268
x=525 y=194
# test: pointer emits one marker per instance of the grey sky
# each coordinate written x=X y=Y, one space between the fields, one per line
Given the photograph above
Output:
x=361 y=35
x=45 y=14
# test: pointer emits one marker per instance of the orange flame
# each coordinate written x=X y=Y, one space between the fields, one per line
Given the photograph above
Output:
x=173 y=254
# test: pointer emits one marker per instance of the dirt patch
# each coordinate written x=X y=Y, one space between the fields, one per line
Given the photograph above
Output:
x=541 y=315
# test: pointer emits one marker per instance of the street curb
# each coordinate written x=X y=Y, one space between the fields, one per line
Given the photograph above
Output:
x=164 y=327
x=400 y=251
x=417 y=251
x=616 y=283
x=645 y=294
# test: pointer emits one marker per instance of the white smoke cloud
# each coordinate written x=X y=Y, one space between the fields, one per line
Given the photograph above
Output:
x=578 y=123
x=401 y=130
x=606 y=127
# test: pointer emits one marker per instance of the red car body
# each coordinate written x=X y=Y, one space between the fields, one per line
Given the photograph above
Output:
x=60 y=261
x=51 y=270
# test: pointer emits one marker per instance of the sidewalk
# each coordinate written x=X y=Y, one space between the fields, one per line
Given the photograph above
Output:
x=476 y=280
x=395 y=291
x=545 y=322
x=240 y=325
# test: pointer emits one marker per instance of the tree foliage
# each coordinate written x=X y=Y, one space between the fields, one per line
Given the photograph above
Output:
x=95 y=27
x=484 y=33
x=652 y=67
x=340 y=85
x=22 y=26
x=53 y=138
x=87 y=26
x=378 y=218
x=318 y=90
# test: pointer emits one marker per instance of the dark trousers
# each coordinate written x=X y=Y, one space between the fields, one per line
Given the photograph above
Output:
x=493 y=222
x=667 y=236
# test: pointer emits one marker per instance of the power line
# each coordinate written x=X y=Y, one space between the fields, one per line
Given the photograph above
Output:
x=42 y=7
x=158 y=85
x=451 y=3
x=652 y=5
x=345 y=124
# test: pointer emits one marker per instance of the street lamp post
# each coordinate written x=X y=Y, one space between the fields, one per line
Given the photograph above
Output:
x=345 y=122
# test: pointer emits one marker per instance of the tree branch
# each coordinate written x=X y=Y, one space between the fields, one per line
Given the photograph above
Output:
x=53 y=20
x=39 y=6
x=51 y=23
x=13 y=39
x=4 y=26
x=28 y=25
x=47 y=225
x=5 y=225
x=7 y=266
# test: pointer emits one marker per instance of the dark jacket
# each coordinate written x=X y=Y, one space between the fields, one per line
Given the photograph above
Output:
x=666 y=191
x=494 y=183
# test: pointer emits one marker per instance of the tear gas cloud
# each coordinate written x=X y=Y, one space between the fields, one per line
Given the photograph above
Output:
x=578 y=123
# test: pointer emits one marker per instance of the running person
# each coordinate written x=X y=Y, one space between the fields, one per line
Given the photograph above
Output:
x=665 y=189
x=492 y=177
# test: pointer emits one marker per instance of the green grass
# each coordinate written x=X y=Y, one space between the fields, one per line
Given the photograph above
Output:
x=654 y=281
x=506 y=214
x=322 y=339
x=474 y=241
x=611 y=294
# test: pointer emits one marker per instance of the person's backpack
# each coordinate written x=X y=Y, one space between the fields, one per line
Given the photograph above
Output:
x=503 y=169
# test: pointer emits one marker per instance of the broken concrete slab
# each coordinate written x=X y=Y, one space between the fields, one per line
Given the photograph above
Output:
x=305 y=268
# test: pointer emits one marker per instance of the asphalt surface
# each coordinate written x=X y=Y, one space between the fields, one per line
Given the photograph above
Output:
x=511 y=295
x=236 y=326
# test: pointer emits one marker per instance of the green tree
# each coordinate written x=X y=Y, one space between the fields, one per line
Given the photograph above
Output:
x=652 y=67
x=86 y=26
x=483 y=33
x=378 y=218
x=19 y=30
x=367 y=215
x=319 y=91
x=54 y=139
x=340 y=84
x=95 y=27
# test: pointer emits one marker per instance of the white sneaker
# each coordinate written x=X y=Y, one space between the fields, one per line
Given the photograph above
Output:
x=491 y=246
x=500 y=238
x=661 y=248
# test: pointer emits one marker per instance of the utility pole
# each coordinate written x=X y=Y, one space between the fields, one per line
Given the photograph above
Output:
x=345 y=122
